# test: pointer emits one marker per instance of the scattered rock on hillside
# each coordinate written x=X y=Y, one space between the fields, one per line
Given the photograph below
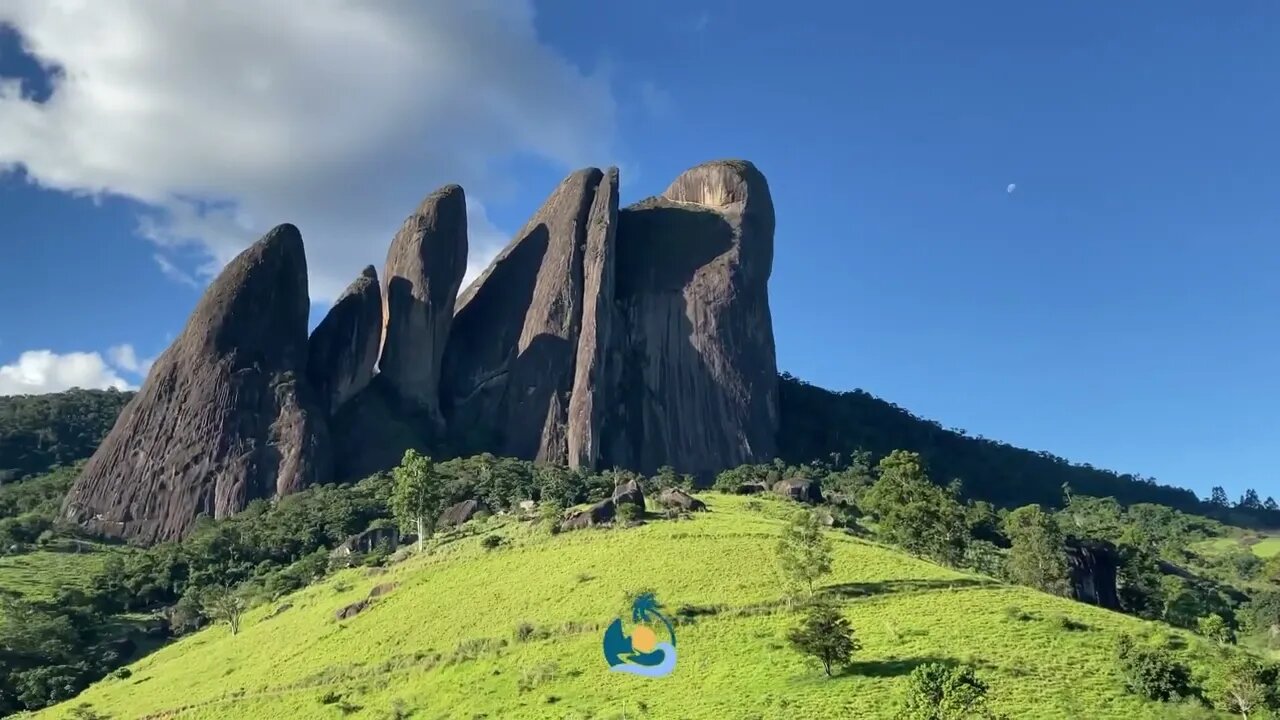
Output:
x=799 y=489
x=343 y=349
x=631 y=493
x=225 y=415
x=677 y=498
x=696 y=378
x=368 y=541
x=349 y=611
x=382 y=589
x=598 y=514
x=424 y=269
x=459 y=513
x=752 y=488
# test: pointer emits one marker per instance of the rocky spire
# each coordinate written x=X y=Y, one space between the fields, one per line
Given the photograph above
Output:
x=225 y=415
x=344 y=347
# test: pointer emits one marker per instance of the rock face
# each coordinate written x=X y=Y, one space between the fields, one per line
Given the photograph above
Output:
x=629 y=493
x=225 y=415
x=368 y=541
x=424 y=269
x=1093 y=568
x=697 y=375
x=510 y=363
x=344 y=347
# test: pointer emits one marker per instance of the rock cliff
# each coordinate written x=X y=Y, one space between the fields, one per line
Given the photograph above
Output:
x=225 y=415
x=343 y=348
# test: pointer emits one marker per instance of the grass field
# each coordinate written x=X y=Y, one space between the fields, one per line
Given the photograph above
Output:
x=441 y=643
x=38 y=574
x=1265 y=548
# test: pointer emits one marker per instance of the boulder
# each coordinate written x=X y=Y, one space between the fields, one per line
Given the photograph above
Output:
x=349 y=611
x=751 y=488
x=368 y=541
x=424 y=269
x=679 y=499
x=343 y=348
x=509 y=365
x=528 y=506
x=1092 y=566
x=629 y=492
x=598 y=514
x=459 y=513
x=225 y=415
x=695 y=381
x=799 y=489
x=382 y=589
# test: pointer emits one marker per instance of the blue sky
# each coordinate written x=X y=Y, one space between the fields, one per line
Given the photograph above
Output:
x=1117 y=307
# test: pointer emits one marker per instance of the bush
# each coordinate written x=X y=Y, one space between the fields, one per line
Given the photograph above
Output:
x=525 y=632
x=938 y=692
x=491 y=542
x=628 y=513
x=825 y=635
x=1152 y=672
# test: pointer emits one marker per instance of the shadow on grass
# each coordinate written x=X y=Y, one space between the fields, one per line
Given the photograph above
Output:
x=892 y=668
x=884 y=587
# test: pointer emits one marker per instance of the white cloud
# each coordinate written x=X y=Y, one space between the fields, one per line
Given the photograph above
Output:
x=125 y=358
x=43 y=371
x=656 y=101
x=1011 y=187
x=228 y=118
x=173 y=272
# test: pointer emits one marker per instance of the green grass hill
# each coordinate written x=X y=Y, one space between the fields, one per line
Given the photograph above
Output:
x=445 y=640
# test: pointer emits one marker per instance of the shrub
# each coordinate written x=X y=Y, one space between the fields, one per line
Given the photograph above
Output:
x=491 y=542
x=533 y=677
x=1152 y=672
x=825 y=635
x=525 y=631
x=1213 y=627
x=938 y=692
x=628 y=513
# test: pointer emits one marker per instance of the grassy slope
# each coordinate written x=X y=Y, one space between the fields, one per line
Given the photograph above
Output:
x=732 y=664
x=38 y=574
x=1265 y=548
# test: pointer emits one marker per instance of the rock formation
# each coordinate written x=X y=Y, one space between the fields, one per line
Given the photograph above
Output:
x=592 y=516
x=225 y=415
x=344 y=347
x=424 y=269
x=1092 y=567
x=509 y=365
x=460 y=512
x=697 y=377
x=629 y=493
x=633 y=338
x=681 y=500
x=799 y=489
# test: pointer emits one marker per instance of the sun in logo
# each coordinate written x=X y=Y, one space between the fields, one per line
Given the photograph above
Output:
x=641 y=653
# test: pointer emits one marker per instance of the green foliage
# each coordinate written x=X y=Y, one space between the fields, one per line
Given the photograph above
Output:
x=491 y=542
x=1214 y=627
x=1244 y=685
x=913 y=513
x=418 y=497
x=627 y=513
x=1038 y=555
x=1152 y=672
x=938 y=692
x=804 y=553
x=825 y=635
x=38 y=432
x=226 y=603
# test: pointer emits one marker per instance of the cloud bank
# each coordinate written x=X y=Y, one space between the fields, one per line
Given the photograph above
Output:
x=224 y=119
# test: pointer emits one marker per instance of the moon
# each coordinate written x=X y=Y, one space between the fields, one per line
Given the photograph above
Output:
x=1011 y=187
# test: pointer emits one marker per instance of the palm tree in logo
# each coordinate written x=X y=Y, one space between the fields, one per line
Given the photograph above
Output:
x=645 y=607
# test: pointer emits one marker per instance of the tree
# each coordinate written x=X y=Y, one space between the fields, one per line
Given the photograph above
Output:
x=1152 y=672
x=417 y=499
x=826 y=635
x=1038 y=556
x=1215 y=628
x=1218 y=497
x=1242 y=686
x=225 y=603
x=804 y=553
x=938 y=692
x=1250 y=501
x=912 y=512
x=1270 y=504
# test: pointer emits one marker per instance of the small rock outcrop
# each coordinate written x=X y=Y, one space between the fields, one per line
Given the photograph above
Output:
x=365 y=542
x=343 y=348
x=696 y=384
x=629 y=493
x=681 y=500
x=799 y=489
x=424 y=269
x=459 y=513
x=347 y=612
x=600 y=513
x=225 y=416
x=1093 y=566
